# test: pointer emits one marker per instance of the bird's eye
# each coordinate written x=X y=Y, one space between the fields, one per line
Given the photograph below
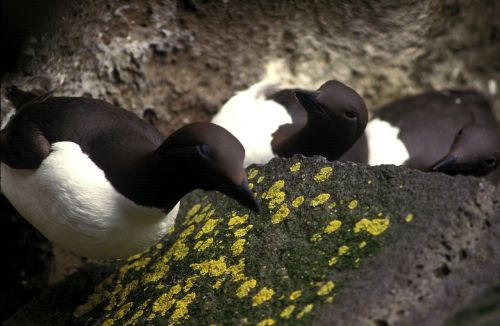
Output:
x=490 y=162
x=204 y=150
x=350 y=114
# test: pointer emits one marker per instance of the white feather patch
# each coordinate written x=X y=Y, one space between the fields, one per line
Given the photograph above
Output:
x=70 y=201
x=7 y=117
x=252 y=119
x=384 y=145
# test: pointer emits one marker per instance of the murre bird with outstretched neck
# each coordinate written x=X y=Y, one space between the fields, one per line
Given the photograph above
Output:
x=100 y=182
x=270 y=122
x=452 y=131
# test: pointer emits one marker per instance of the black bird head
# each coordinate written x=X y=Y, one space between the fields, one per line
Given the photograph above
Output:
x=213 y=159
x=475 y=151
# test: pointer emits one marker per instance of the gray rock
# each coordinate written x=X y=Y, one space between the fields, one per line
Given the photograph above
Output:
x=482 y=310
x=337 y=244
x=185 y=58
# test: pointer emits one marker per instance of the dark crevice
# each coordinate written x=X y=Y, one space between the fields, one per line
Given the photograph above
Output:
x=442 y=272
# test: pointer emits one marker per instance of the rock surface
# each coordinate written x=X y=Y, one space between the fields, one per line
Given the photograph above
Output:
x=184 y=58
x=337 y=244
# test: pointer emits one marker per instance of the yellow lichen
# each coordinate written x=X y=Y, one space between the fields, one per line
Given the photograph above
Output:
x=181 y=307
x=95 y=298
x=193 y=210
x=171 y=230
x=236 y=271
x=325 y=288
x=266 y=322
x=307 y=309
x=190 y=281
x=353 y=204
x=333 y=261
x=252 y=174
x=209 y=226
x=343 y=250
x=120 y=294
x=108 y=322
x=245 y=287
x=243 y=231
x=179 y=250
x=238 y=246
x=374 y=227
x=316 y=237
x=138 y=313
x=123 y=311
x=333 y=226
x=235 y=220
x=250 y=186
x=298 y=201
x=198 y=218
x=287 y=312
x=274 y=194
x=362 y=244
x=319 y=199
x=134 y=257
x=260 y=179
x=280 y=214
x=295 y=295
x=211 y=267
x=202 y=245
x=159 y=271
x=206 y=208
x=165 y=301
x=295 y=167
x=265 y=294
x=323 y=174
x=332 y=205
x=135 y=266
x=409 y=217
x=217 y=284
x=187 y=232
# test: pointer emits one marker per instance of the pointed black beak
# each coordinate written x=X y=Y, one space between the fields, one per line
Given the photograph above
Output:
x=447 y=164
x=245 y=197
x=309 y=101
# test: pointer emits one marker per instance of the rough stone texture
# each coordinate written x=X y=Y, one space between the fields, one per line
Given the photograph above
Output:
x=395 y=246
x=185 y=58
x=482 y=310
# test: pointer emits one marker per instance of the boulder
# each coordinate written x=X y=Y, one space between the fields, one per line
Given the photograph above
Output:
x=337 y=244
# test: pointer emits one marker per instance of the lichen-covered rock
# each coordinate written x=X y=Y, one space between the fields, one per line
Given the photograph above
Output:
x=337 y=244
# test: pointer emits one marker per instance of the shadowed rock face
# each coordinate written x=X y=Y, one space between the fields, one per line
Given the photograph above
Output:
x=185 y=58
x=337 y=244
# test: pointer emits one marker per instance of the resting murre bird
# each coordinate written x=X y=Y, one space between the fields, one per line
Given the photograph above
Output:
x=294 y=121
x=448 y=131
x=101 y=182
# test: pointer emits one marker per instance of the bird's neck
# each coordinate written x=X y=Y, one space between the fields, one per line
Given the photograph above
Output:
x=314 y=138
x=155 y=180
